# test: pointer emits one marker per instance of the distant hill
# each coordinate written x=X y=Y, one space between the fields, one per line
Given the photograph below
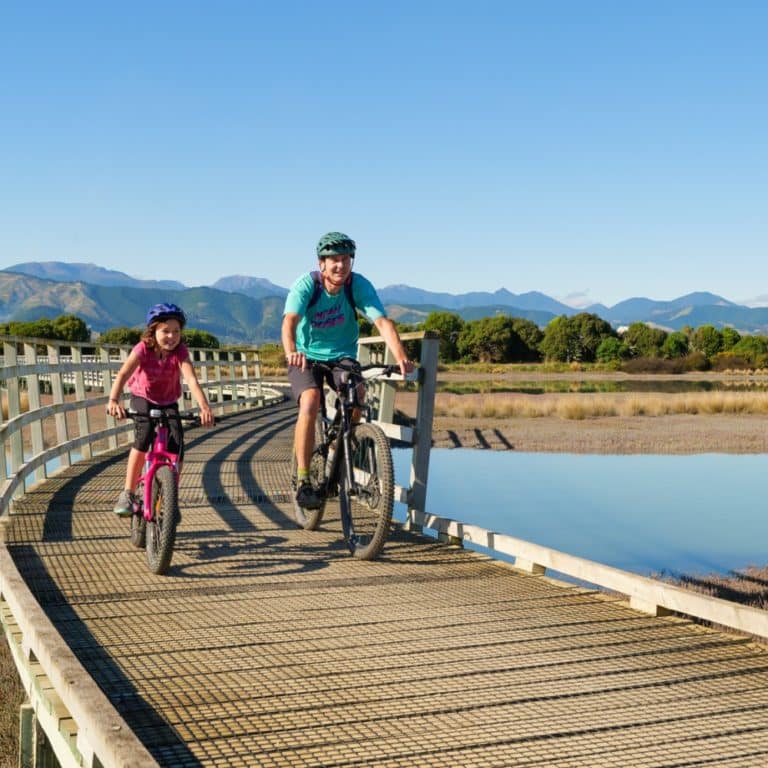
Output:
x=62 y=272
x=243 y=309
x=233 y=318
x=533 y=300
x=255 y=287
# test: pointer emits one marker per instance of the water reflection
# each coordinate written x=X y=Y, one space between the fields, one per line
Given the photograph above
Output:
x=686 y=514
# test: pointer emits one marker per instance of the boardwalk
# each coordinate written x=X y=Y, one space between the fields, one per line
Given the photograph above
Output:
x=269 y=646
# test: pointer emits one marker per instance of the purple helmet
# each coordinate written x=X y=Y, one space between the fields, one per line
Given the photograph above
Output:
x=166 y=312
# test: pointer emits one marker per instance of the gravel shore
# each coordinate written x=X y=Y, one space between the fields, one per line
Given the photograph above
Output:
x=678 y=434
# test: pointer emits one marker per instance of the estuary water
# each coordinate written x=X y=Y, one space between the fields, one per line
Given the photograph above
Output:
x=693 y=514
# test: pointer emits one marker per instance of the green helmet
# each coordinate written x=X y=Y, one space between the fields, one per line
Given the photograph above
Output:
x=335 y=244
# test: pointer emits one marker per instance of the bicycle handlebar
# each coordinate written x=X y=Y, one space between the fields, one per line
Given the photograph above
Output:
x=384 y=369
x=168 y=413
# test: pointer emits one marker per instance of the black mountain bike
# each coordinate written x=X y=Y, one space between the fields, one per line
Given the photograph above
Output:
x=352 y=461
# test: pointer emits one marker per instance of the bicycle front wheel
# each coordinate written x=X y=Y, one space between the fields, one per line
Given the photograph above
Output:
x=161 y=531
x=371 y=491
x=138 y=523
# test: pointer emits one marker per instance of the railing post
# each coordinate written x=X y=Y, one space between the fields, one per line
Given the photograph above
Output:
x=13 y=400
x=83 y=425
x=57 y=389
x=425 y=409
x=33 y=399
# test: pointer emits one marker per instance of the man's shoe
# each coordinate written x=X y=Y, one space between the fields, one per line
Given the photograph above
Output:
x=306 y=496
x=124 y=505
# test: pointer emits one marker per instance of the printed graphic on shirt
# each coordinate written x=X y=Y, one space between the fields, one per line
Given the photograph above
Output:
x=329 y=318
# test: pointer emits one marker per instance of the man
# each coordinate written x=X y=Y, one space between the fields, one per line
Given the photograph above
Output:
x=320 y=323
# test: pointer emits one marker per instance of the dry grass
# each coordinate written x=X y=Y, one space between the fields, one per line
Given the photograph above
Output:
x=23 y=401
x=12 y=697
x=584 y=406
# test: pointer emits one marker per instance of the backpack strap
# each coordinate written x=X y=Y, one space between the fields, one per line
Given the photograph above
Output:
x=317 y=279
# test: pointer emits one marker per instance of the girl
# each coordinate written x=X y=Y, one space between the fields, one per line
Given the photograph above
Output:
x=152 y=371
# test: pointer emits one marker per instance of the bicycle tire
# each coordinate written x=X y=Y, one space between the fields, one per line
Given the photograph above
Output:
x=371 y=491
x=309 y=519
x=161 y=530
x=138 y=523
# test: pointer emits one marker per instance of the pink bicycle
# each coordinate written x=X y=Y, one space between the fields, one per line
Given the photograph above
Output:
x=156 y=501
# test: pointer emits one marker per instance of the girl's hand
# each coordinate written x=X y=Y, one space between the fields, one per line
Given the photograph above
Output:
x=115 y=409
x=206 y=416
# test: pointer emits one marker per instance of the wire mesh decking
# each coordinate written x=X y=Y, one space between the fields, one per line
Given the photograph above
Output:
x=267 y=645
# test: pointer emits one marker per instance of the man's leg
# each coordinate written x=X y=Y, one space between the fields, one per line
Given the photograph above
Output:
x=307 y=393
x=304 y=440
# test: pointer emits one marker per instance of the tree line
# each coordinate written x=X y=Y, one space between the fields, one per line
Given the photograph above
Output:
x=72 y=328
x=579 y=338
x=587 y=338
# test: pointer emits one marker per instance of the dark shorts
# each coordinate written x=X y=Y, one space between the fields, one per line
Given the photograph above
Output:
x=144 y=432
x=314 y=378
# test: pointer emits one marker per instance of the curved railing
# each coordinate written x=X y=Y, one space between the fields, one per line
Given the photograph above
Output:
x=75 y=380
x=53 y=413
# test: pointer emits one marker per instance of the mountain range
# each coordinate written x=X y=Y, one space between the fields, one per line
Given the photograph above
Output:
x=240 y=309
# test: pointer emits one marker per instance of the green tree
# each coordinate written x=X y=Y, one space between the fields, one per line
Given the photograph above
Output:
x=643 y=340
x=675 y=345
x=611 y=349
x=37 y=329
x=589 y=331
x=730 y=337
x=194 y=337
x=560 y=340
x=576 y=338
x=71 y=328
x=490 y=340
x=121 y=335
x=531 y=335
x=707 y=340
x=448 y=325
x=754 y=349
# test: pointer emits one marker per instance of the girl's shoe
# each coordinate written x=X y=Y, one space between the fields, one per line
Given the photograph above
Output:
x=124 y=505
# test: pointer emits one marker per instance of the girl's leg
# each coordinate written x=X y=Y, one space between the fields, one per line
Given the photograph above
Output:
x=124 y=505
x=133 y=470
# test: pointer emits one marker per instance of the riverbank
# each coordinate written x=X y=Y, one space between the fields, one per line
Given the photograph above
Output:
x=675 y=434
x=732 y=417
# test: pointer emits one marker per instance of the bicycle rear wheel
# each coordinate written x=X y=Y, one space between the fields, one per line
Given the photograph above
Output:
x=309 y=519
x=161 y=530
x=371 y=491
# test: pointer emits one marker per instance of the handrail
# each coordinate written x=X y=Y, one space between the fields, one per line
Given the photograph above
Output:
x=232 y=379
x=645 y=594
x=382 y=398
x=81 y=725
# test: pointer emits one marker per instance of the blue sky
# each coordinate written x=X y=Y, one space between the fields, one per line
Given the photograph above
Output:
x=590 y=150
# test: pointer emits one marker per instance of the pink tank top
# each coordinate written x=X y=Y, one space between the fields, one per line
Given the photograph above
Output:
x=158 y=379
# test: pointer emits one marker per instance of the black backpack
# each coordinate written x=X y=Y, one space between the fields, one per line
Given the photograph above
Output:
x=318 y=281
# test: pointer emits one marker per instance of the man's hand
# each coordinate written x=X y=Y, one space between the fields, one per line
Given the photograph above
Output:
x=297 y=360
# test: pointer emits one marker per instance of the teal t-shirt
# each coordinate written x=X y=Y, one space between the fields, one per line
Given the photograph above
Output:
x=328 y=330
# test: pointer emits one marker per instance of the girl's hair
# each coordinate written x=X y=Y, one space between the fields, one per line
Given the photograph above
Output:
x=148 y=337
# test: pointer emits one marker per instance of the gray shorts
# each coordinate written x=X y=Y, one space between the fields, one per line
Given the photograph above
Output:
x=313 y=378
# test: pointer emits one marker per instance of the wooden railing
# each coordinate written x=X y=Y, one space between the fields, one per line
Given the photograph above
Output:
x=54 y=398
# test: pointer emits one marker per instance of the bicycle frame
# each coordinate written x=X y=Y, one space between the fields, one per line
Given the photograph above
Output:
x=157 y=456
x=344 y=473
x=340 y=446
